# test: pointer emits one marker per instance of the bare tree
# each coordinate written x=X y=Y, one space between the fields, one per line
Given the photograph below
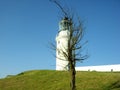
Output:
x=73 y=52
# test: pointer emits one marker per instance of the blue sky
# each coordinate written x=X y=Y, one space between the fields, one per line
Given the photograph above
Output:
x=27 y=27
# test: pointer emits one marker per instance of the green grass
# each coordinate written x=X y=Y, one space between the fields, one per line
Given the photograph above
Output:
x=59 y=80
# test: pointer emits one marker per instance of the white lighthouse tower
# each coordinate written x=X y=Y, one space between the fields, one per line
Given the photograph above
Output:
x=62 y=45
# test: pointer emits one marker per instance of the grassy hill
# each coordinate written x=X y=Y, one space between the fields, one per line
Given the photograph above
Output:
x=59 y=80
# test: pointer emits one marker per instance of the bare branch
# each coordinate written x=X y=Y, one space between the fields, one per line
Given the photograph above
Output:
x=61 y=8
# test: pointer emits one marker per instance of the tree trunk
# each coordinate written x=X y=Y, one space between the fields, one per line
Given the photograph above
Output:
x=72 y=76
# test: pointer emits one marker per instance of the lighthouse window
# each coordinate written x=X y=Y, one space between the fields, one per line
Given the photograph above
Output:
x=58 y=42
x=58 y=52
x=66 y=25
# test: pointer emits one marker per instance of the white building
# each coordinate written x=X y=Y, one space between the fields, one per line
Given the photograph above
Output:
x=62 y=44
x=100 y=68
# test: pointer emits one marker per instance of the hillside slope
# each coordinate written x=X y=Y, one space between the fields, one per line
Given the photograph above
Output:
x=59 y=80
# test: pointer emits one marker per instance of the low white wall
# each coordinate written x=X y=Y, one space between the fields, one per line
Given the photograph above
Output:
x=102 y=68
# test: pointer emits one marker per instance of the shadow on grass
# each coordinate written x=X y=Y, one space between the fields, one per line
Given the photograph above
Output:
x=115 y=86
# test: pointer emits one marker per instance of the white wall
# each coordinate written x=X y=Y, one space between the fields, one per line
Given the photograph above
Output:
x=62 y=45
x=102 y=68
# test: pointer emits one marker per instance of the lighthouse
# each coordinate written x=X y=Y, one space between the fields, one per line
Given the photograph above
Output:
x=62 y=44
